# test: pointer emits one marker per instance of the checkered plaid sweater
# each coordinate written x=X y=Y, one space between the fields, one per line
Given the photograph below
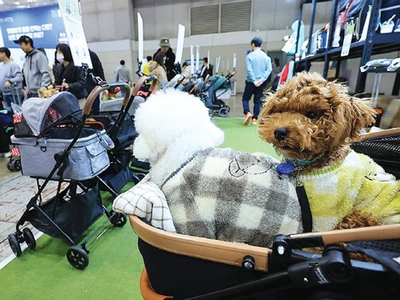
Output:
x=232 y=196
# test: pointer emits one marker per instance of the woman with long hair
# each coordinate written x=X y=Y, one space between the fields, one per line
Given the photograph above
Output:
x=158 y=69
x=67 y=76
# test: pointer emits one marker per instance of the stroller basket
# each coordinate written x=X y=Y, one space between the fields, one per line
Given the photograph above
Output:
x=70 y=210
x=87 y=158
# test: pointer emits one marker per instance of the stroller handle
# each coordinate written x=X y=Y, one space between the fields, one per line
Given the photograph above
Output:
x=102 y=87
x=139 y=83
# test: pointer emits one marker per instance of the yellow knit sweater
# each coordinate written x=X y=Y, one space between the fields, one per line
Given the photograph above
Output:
x=355 y=183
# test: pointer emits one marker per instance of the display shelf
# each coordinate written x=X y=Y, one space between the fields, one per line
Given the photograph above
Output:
x=374 y=44
x=381 y=70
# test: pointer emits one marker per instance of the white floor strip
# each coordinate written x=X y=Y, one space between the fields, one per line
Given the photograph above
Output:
x=6 y=261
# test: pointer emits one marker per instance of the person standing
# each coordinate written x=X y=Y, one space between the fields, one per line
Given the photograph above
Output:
x=206 y=70
x=122 y=74
x=35 y=68
x=97 y=71
x=258 y=66
x=69 y=77
x=276 y=68
x=170 y=57
x=158 y=69
x=10 y=79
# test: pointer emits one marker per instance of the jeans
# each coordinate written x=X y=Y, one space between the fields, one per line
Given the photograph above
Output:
x=10 y=98
x=251 y=90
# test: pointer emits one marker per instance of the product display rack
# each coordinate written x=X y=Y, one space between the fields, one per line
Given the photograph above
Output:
x=375 y=43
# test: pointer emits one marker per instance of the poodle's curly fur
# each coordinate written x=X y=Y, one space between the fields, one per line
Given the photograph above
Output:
x=167 y=136
x=312 y=118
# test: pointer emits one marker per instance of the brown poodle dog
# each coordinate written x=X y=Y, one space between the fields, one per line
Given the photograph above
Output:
x=312 y=122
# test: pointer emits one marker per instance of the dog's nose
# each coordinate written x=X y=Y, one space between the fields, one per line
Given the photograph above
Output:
x=281 y=133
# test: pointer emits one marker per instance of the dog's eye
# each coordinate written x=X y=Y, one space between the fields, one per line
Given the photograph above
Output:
x=311 y=115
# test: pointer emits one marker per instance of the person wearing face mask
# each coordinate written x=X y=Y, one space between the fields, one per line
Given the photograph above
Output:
x=67 y=76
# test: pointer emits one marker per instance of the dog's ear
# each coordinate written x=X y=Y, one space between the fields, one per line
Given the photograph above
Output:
x=267 y=106
x=359 y=114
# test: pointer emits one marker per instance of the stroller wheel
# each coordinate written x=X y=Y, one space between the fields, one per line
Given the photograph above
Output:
x=16 y=165
x=14 y=244
x=118 y=219
x=10 y=165
x=78 y=257
x=223 y=112
x=29 y=238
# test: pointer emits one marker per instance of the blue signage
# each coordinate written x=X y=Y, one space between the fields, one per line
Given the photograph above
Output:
x=43 y=24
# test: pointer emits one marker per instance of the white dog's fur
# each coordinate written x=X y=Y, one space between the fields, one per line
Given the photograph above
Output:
x=167 y=136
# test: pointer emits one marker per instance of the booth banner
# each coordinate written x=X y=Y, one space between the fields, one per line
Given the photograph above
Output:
x=43 y=24
x=71 y=13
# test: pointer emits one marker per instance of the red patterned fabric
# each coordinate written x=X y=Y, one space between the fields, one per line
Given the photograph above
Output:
x=17 y=118
x=15 y=151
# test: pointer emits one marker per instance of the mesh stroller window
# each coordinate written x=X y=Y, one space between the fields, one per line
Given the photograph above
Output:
x=385 y=151
x=40 y=113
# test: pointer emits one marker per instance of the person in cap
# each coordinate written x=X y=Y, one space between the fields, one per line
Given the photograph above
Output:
x=10 y=79
x=259 y=68
x=35 y=68
x=170 y=57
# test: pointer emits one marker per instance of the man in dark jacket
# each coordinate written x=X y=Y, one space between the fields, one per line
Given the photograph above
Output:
x=90 y=84
x=35 y=68
x=170 y=58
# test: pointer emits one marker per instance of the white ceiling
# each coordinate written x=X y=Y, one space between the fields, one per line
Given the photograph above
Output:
x=21 y=4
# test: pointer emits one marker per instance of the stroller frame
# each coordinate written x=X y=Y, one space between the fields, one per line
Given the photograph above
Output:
x=119 y=156
x=45 y=212
x=318 y=265
x=292 y=273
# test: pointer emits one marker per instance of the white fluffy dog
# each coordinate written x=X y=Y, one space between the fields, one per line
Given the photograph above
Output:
x=211 y=192
x=172 y=126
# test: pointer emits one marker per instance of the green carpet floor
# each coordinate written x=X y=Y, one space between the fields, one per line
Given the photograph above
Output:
x=115 y=263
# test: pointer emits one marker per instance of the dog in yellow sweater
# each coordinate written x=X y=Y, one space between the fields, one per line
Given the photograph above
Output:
x=312 y=122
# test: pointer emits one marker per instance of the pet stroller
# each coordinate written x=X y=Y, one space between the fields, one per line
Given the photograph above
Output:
x=321 y=265
x=9 y=120
x=57 y=144
x=6 y=127
x=383 y=147
x=214 y=92
x=118 y=119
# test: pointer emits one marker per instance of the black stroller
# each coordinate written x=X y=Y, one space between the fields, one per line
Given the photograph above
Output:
x=119 y=125
x=57 y=143
x=303 y=266
x=6 y=127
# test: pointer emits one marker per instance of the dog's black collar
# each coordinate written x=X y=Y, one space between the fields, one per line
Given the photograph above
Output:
x=302 y=163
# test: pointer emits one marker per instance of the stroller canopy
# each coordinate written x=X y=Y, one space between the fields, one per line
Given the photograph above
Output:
x=39 y=113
